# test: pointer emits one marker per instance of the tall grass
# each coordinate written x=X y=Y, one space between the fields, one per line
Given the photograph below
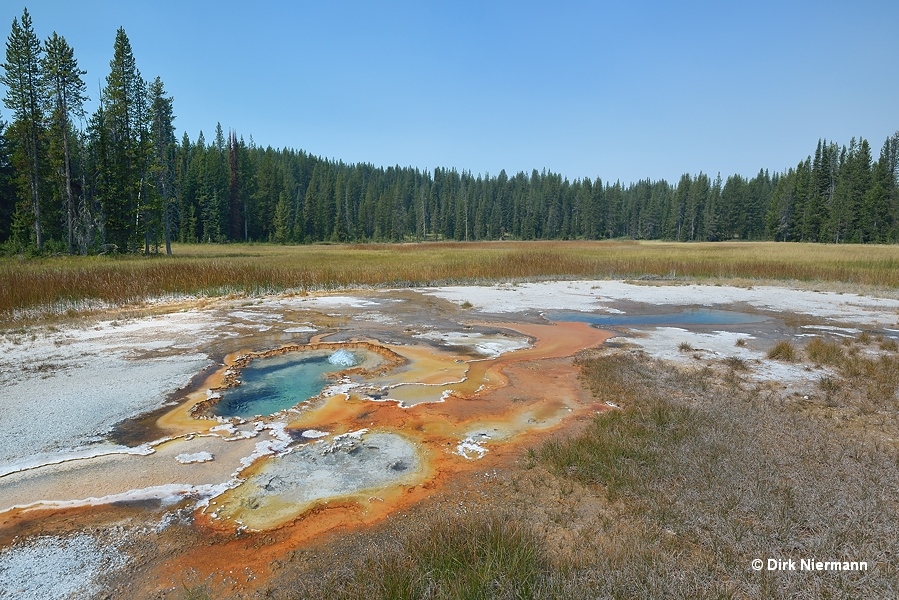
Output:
x=824 y=352
x=866 y=379
x=53 y=285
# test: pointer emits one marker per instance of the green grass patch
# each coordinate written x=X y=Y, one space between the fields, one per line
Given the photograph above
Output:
x=472 y=557
x=620 y=448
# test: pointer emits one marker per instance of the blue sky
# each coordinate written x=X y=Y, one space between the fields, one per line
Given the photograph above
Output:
x=617 y=90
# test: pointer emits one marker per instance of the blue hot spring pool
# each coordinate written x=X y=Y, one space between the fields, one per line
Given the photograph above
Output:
x=274 y=383
x=691 y=316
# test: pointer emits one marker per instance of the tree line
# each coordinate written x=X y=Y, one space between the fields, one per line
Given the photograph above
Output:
x=124 y=183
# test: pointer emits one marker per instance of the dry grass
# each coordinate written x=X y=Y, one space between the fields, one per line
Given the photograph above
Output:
x=784 y=351
x=672 y=496
x=735 y=363
x=55 y=285
x=713 y=485
x=824 y=352
x=863 y=378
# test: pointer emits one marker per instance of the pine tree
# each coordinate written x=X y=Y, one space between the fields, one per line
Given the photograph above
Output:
x=700 y=189
x=7 y=185
x=24 y=91
x=819 y=204
x=187 y=209
x=712 y=213
x=678 y=213
x=733 y=197
x=67 y=94
x=237 y=225
x=246 y=168
x=164 y=150
x=852 y=185
x=781 y=207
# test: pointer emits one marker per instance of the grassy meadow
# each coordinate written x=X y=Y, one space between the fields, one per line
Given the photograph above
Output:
x=36 y=288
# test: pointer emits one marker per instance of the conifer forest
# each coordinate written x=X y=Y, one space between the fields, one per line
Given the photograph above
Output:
x=121 y=180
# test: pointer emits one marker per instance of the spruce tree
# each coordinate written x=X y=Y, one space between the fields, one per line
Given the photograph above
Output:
x=7 y=185
x=24 y=91
x=237 y=226
x=124 y=115
x=163 y=164
x=67 y=94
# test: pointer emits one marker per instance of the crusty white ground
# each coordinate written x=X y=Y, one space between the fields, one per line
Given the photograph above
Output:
x=596 y=295
x=665 y=343
x=61 y=390
x=484 y=344
x=55 y=567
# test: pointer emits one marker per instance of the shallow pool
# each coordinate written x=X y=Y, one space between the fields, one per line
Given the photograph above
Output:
x=275 y=383
x=690 y=316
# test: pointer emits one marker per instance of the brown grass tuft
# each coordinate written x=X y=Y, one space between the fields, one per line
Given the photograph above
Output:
x=784 y=351
x=822 y=352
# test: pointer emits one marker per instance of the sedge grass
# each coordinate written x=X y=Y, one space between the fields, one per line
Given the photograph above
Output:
x=54 y=285
x=470 y=557
x=480 y=555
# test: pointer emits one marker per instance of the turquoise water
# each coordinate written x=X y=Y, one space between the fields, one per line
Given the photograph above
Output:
x=274 y=383
x=691 y=316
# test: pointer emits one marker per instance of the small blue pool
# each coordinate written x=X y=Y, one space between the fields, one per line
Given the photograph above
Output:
x=690 y=316
x=274 y=383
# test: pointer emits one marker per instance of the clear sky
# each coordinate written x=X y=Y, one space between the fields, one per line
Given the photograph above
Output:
x=619 y=90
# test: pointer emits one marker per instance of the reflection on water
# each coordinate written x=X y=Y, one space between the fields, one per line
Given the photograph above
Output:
x=691 y=316
x=274 y=383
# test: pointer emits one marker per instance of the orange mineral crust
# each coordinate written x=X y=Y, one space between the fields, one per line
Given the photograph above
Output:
x=393 y=430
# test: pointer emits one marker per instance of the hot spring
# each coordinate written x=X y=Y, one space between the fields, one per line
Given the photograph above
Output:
x=274 y=383
x=689 y=316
